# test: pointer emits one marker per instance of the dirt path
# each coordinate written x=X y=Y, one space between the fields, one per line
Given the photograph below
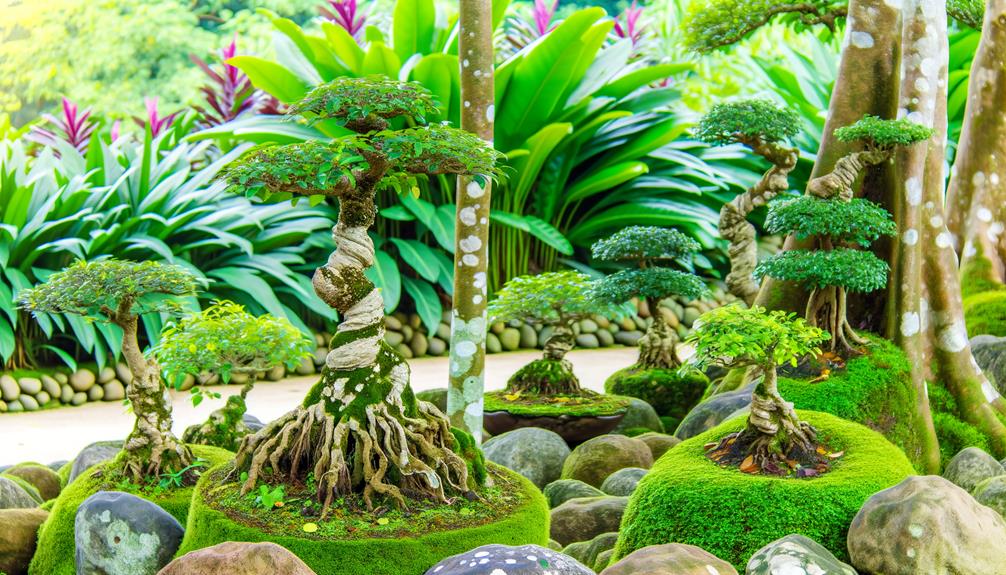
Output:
x=57 y=434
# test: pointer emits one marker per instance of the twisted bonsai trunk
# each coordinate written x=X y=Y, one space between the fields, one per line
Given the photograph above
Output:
x=553 y=373
x=360 y=428
x=657 y=346
x=151 y=448
x=225 y=427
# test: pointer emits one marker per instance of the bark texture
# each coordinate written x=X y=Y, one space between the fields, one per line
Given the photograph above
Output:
x=471 y=255
x=657 y=347
x=976 y=200
x=553 y=373
x=735 y=228
x=225 y=427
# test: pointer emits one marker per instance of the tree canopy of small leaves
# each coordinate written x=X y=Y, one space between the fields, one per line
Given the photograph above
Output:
x=747 y=121
x=855 y=270
x=97 y=289
x=549 y=298
x=713 y=24
x=438 y=149
x=857 y=221
x=349 y=99
x=969 y=12
x=734 y=336
x=656 y=283
x=281 y=172
x=224 y=339
x=879 y=134
x=644 y=244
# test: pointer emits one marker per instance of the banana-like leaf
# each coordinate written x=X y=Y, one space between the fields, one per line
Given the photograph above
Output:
x=440 y=74
x=427 y=302
x=605 y=179
x=539 y=146
x=272 y=78
x=344 y=46
x=385 y=275
x=419 y=256
x=413 y=27
x=381 y=60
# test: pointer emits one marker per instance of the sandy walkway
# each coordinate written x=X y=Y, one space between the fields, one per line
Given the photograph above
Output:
x=57 y=434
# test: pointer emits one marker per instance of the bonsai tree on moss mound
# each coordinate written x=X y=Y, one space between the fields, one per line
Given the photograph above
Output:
x=650 y=250
x=763 y=127
x=556 y=299
x=225 y=339
x=774 y=441
x=361 y=429
x=837 y=225
x=118 y=292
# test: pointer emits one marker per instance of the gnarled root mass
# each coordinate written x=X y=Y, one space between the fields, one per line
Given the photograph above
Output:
x=827 y=309
x=151 y=448
x=389 y=454
x=224 y=428
x=545 y=377
x=657 y=346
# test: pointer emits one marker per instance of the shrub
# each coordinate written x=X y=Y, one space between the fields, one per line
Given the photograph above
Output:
x=671 y=392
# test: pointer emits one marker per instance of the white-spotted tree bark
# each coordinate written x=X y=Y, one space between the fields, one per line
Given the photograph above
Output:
x=471 y=244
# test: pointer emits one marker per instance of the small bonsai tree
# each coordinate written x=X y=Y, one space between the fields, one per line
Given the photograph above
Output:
x=118 y=292
x=556 y=299
x=226 y=340
x=763 y=127
x=361 y=430
x=775 y=441
x=836 y=224
x=649 y=249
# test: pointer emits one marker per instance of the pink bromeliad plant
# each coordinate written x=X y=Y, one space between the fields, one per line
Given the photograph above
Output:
x=231 y=94
x=73 y=126
x=627 y=24
x=543 y=14
x=154 y=120
x=345 y=14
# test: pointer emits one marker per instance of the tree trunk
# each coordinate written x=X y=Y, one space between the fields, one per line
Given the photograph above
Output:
x=827 y=308
x=360 y=428
x=471 y=255
x=866 y=84
x=977 y=197
x=924 y=311
x=225 y=427
x=151 y=448
x=657 y=346
x=553 y=373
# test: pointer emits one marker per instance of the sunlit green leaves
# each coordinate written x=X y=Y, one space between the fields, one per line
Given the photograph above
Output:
x=747 y=121
x=735 y=336
x=550 y=298
x=642 y=244
x=857 y=221
x=855 y=270
x=884 y=134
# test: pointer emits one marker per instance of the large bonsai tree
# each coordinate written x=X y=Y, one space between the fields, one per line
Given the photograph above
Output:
x=226 y=340
x=361 y=429
x=650 y=250
x=556 y=299
x=118 y=292
x=763 y=127
x=775 y=441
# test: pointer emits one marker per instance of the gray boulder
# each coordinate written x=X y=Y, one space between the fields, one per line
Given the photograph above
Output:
x=92 y=455
x=535 y=453
x=118 y=533
x=13 y=496
x=992 y=494
x=713 y=412
x=970 y=467
x=437 y=397
x=659 y=443
x=587 y=552
x=252 y=423
x=585 y=518
x=562 y=490
x=990 y=353
x=640 y=415
x=795 y=554
x=671 y=559
x=597 y=458
x=624 y=481
x=523 y=560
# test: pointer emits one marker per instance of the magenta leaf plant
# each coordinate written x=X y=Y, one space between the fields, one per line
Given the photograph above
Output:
x=73 y=126
x=543 y=14
x=345 y=13
x=154 y=121
x=230 y=93
x=627 y=24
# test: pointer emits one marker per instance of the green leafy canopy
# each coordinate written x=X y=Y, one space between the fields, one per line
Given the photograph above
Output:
x=657 y=283
x=857 y=221
x=644 y=244
x=553 y=297
x=96 y=289
x=735 y=336
x=224 y=338
x=712 y=24
x=349 y=99
x=748 y=122
x=883 y=134
x=855 y=270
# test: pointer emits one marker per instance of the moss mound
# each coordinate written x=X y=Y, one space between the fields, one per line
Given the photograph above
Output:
x=55 y=555
x=686 y=498
x=587 y=404
x=352 y=541
x=985 y=313
x=672 y=393
x=874 y=390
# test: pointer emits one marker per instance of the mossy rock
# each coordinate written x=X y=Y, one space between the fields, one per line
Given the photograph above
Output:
x=513 y=512
x=975 y=276
x=985 y=313
x=588 y=404
x=670 y=392
x=55 y=555
x=45 y=480
x=686 y=498
x=874 y=389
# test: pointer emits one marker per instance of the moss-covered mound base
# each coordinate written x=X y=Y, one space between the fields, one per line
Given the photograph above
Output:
x=985 y=313
x=55 y=555
x=583 y=404
x=686 y=498
x=671 y=392
x=353 y=541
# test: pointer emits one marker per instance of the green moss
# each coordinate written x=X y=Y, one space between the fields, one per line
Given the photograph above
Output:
x=64 y=472
x=469 y=450
x=533 y=405
x=355 y=542
x=874 y=389
x=55 y=554
x=28 y=487
x=671 y=392
x=686 y=498
x=985 y=313
x=544 y=374
x=975 y=276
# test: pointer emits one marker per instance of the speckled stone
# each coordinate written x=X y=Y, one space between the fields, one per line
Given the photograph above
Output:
x=507 y=560
x=795 y=554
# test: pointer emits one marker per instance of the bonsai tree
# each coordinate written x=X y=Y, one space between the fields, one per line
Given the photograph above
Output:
x=226 y=340
x=649 y=249
x=836 y=223
x=360 y=429
x=774 y=441
x=556 y=299
x=763 y=127
x=118 y=292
